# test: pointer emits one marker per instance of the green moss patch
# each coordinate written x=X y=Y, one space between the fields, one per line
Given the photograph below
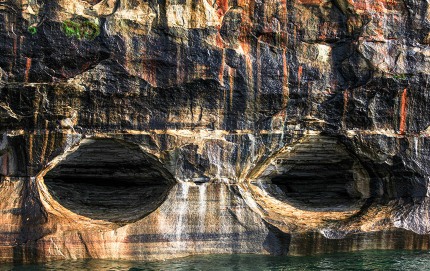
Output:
x=32 y=30
x=82 y=30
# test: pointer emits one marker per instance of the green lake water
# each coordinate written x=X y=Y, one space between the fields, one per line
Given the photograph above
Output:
x=364 y=260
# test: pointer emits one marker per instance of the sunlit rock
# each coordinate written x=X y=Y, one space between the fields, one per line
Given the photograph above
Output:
x=146 y=130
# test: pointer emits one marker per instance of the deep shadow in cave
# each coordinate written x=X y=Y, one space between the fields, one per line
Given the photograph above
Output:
x=107 y=179
x=321 y=173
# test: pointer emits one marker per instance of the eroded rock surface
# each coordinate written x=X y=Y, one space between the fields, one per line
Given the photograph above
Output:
x=154 y=129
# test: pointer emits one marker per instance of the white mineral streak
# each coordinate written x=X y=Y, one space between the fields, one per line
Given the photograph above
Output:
x=224 y=199
x=141 y=15
x=202 y=207
x=414 y=217
x=182 y=15
x=9 y=111
x=333 y=234
x=69 y=9
x=118 y=246
x=324 y=52
x=182 y=213
x=249 y=200
x=416 y=147
x=165 y=211
x=215 y=161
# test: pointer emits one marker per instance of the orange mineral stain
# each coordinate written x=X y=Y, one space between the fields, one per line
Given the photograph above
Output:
x=222 y=7
x=27 y=69
x=284 y=12
x=299 y=74
x=403 y=112
x=219 y=41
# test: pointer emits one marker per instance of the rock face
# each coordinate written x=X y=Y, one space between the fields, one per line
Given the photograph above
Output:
x=155 y=129
x=318 y=173
x=106 y=180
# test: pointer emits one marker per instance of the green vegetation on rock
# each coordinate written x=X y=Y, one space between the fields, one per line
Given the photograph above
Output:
x=81 y=30
x=32 y=30
x=399 y=76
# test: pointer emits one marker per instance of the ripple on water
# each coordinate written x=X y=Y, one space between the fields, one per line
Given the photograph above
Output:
x=363 y=260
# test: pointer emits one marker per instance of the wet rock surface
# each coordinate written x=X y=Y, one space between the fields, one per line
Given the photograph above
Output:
x=157 y=129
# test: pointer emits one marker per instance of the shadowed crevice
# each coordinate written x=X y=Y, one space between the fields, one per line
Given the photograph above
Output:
x=110 y=180
x=321 y=174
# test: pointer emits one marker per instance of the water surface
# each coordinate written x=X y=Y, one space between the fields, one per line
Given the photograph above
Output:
x=364 y=260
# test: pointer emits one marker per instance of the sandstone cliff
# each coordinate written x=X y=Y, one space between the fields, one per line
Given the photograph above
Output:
x=136 y=129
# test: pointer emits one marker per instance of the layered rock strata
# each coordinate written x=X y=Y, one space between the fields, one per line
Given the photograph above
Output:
x=156 y=129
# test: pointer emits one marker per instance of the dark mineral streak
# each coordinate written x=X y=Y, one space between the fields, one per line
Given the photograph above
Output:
x=155 y=129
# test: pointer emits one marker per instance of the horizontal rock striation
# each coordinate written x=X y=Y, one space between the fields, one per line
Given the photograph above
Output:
x=156 y=129
x=320 y=174
x=106 y=180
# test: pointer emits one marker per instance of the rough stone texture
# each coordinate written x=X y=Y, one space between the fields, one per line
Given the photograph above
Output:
x=219 y=101
x=107 y=180
x=318 y=173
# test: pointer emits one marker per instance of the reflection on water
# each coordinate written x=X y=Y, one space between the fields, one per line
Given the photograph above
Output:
x=364 y=260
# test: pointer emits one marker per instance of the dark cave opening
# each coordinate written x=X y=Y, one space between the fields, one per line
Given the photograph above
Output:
x=321 y=173
x=107 y=179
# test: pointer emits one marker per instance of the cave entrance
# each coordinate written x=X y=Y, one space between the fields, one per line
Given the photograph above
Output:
x=321 y=173
x=107 y=179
